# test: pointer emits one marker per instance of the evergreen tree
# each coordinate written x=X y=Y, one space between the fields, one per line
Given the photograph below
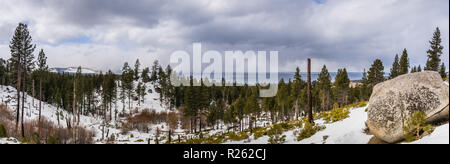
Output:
x=419 y=69
x=155 y=69
x=3 y=72
x=404 y=63
x=145 y=75
x=376 y=73
x=296 y=94
x=395 y=68
x=136 y=69
x=109 y=93
x=414 y=69
x=364 y=89
x=435 y=52
x=127 y=83
x=42 y=62
x=282 y=99
x=21 y=50
x=190 y=104
x=323 y=86
x=139 y=92
x=341 y=86
x=442 y=71
x=42 y=68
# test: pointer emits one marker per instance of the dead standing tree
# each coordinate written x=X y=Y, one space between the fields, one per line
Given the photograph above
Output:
x=310 y=114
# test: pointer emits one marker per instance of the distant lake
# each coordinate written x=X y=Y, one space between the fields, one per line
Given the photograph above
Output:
x=286 y=76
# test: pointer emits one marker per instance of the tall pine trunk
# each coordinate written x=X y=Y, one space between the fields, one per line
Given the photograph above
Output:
x=18 y=89
x=23 y=102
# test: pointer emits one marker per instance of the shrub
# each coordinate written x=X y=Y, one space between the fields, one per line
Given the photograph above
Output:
x=237 y=136
x=5 y=114
x=3 y=133
x=35 y=138
x=416 y=127
x=53 y=140
x=259 y=132
x=335 y=115
x=362 y=104
x=286 y=125
x=275 y=134
x=309 y=130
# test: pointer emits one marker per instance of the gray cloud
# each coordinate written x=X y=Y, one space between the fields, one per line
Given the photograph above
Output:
x=350 y=33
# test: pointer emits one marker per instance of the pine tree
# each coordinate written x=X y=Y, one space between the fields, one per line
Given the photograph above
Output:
x=155 y=69
x=136 y=69
x=127 y=84
x=3 y=72
x=341 y=86
x=404 y=63
x=442 y=71
x=138 y=92
x=190 y=103
x=364 y=90
x=323 y=85
x=109 y=92
x=42 y=61
x=419 y=69
x=414 y=69
x=251 y=107
x=376 y=73
x=395 y=68
x=296 y=93
x=145 y=75
x=435 y=52
x=22 y=59
x=282 y=101
x=42 y=68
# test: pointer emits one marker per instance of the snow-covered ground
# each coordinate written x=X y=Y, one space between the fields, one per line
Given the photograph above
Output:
x=8 y=141
x=439 y=136
x=347 y=131
x=152 y=102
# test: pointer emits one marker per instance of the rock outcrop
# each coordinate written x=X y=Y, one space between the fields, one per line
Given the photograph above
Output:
x=393 y=102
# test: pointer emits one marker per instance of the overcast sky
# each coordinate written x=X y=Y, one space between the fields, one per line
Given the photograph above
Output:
x=103 y=34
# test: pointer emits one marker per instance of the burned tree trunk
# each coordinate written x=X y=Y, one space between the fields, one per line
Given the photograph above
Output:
x=310 y=114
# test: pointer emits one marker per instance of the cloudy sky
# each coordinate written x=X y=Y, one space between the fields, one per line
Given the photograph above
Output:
x=103 y=34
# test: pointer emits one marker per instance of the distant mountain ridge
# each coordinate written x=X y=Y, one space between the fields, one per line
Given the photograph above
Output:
x=73 y=70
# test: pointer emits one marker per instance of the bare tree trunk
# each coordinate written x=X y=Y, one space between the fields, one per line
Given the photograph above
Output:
x=129 y=102
x=40 y=104
x=23 y=102
x=110 y=110
x=18 y=89
x=74 y=102
x=33 y=94
x=310 y=115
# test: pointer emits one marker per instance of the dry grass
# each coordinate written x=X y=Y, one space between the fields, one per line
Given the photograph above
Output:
x=143 y=120
x=42 y=132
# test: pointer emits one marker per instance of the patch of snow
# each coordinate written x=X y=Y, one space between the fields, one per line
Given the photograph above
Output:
x=8 y=141
x=348 y=131
x=439 y=136
x=31 y=111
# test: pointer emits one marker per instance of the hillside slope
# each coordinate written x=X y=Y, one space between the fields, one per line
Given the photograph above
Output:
x=348 y=131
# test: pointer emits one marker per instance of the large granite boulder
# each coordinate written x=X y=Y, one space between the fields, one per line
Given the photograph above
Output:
x=393 y=102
